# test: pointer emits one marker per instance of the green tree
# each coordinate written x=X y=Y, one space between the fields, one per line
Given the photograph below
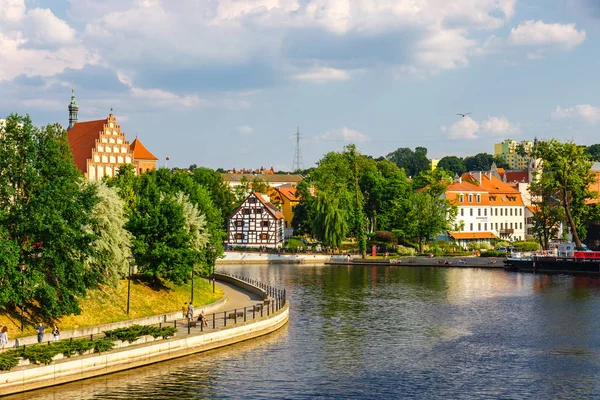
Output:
x=413 y=162
x=593 y=152
x=566 y=172
x=453 y=164
x=222 y=197
x=331 y=219
x=108 y=261
x=428 y=216
x=303 y=220
x=479 y=162
x=44 y=211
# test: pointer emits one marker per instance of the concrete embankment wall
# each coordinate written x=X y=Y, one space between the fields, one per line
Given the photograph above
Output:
x=94 y=330
x=68 y=370
x=232 y=257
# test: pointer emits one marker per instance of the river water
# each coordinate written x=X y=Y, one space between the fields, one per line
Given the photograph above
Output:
x=392 y=332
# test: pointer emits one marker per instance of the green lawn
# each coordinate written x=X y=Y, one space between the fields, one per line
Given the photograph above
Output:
x=108 y=304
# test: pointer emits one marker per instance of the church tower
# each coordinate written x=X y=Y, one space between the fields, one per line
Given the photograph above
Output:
x=73 y=109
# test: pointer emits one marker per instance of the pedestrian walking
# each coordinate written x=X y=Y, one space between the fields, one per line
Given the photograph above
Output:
x=184 y=309
x=40 y=332
x=3 y=337
x=190 y=311
x=55 y=333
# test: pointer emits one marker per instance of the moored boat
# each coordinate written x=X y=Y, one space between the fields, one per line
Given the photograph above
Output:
x=562 y=262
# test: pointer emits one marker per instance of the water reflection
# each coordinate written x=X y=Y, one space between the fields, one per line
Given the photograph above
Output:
x=394 y=332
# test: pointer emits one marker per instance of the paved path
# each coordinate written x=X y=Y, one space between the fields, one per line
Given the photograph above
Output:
x=238 y=300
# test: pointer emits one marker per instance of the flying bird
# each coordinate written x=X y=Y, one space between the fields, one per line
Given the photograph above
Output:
x=463 y=115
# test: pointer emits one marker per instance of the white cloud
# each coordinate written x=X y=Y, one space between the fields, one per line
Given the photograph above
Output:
x=468 y=128
x=344 y=135
x=323 y=74
x=538 y=33
x=586 y=112
x=244 y=130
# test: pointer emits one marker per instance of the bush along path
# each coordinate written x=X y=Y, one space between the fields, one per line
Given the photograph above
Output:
x=45 y=353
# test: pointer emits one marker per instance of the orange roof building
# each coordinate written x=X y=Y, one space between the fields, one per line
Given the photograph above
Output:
x=488 y=208
x=99 y=147
x=285 y=197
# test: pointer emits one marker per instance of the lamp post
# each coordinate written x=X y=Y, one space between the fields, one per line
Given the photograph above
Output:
x=22 y=267
x=129 y=260
x=213 y=260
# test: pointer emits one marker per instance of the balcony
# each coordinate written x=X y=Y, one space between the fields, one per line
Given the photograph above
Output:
x=507 y=231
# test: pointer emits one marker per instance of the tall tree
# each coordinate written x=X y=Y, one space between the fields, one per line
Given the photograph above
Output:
x=108 y=261
x=479 y=162
x=428 y=216
x=593 y=152
x=413 y=162
x=44 y=211
x=219 y=191
x=453 y=164
x=566 y=172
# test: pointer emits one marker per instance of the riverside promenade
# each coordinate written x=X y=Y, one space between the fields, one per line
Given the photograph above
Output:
x=249 y=310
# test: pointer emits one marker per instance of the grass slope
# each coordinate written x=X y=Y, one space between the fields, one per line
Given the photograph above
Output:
x=108 y=304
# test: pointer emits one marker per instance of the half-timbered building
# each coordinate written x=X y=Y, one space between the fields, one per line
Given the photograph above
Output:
x=256 y=223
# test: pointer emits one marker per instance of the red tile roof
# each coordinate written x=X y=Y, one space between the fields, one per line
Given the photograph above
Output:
x=140 y=152
x=517 y=176
x=82 y=139
x=288 y=192
x=270 y=207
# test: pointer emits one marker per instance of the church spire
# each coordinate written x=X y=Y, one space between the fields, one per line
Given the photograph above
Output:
x=73 y=109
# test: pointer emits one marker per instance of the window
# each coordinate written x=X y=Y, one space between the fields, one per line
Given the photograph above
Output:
x=246 y=211
x=520 y=212
x=239 y=236
x=258 y=210
x=485 y=212
x=485 y=226
x=265 y=224
x=500 y=212
x=479 y=198
x=471 y=211
x=511 y=226
x=479 y=226
x=511 y=212
x=479 y=212
x=496 y=226
x=520 y=225
x=239 y=223
x=470 y=198
x=462 y=212
x=251 y=200
x=501 y=225
x=471 y=227
x=264 y=236
x=461 y=197
x=497 y=212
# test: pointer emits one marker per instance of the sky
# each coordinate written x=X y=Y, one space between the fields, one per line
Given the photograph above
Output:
x=227 y=83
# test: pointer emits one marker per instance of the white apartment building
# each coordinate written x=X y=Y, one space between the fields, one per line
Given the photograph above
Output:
x=487 y=209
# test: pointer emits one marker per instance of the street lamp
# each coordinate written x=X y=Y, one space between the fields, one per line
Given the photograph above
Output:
x=129 y=260
x=22 y=267
x=213 y=261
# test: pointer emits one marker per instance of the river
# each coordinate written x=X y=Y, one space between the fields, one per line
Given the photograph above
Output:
x=392 y=332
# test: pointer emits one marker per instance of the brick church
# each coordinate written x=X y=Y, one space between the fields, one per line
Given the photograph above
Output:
x=100 y=147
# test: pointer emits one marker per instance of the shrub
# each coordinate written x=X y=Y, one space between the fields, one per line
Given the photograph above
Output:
x=405 y=251
x=8 y=360
x=526 y=246
x=501 y=244
x=479 y=246
x=294 y=244
x=384 y=236
x=492 y=253
x=103 y=344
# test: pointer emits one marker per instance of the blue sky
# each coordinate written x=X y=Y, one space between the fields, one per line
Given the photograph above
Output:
x=226 y=83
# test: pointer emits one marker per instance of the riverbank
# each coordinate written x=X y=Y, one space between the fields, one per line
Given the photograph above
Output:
x=236 y=258
x=226 y=327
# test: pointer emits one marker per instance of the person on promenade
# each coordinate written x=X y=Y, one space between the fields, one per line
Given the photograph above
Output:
x=190 y=311
x=40 y=332
x=3 y=337
x=201 y=318
x=55 y=333
x=184 y=309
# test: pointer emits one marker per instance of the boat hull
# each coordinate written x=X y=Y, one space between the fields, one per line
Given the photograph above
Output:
x=553 y=265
